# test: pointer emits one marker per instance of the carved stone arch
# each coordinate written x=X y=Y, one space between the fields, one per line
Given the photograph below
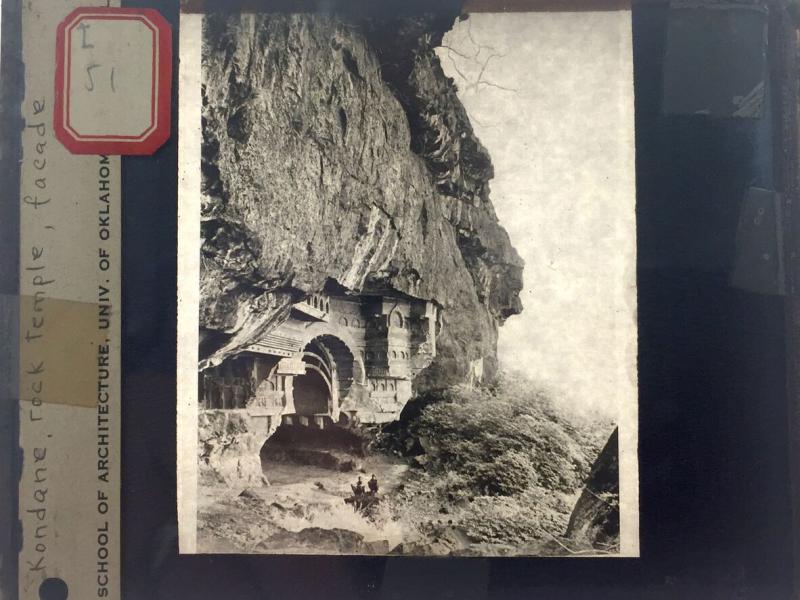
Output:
x=321 y=372
x=322 y=362
x=314 y=392
x=359 y=371
x=332 y=368
x=339 y=351
x=397 y=319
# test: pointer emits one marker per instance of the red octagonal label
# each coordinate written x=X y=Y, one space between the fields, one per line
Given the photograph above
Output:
x=113 y=81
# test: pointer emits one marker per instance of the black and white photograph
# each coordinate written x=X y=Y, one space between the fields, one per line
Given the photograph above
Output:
x=407 y=292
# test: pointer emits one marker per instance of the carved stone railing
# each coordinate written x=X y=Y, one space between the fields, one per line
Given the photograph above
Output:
x=317 y=306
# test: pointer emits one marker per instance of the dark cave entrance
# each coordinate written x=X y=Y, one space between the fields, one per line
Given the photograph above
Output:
x=329 y=369
x=335 y=447
x=312 y=394
x=313 y=435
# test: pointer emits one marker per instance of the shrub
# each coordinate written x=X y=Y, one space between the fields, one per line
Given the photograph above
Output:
x=502 y=439
x=510 y=473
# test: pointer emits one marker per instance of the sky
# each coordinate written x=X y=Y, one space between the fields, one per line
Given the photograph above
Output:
x=550 y=95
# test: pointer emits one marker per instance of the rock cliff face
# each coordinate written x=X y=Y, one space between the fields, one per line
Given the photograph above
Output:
x=335 y=152
x=595 y=519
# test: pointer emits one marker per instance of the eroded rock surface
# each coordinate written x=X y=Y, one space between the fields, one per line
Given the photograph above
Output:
x=338 y=150
x=595 y=519
x=229 y=443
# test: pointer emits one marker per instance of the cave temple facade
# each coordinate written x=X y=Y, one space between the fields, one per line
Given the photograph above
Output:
x=336 y=359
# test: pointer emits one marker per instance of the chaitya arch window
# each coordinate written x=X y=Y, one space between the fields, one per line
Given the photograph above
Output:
x=397 y=319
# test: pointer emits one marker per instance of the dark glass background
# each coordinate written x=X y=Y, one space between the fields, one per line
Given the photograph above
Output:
x=715 y=502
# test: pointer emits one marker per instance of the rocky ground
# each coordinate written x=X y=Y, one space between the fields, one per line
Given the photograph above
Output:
x=423 y=510
x=303 y=511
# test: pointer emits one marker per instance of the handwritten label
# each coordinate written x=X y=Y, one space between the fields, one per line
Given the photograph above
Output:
x=69 y=336
x=113 y=79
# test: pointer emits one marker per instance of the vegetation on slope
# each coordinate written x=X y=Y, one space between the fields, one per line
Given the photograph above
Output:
x=500 y=464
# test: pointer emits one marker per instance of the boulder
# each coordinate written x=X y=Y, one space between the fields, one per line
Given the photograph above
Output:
x=316 y=540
